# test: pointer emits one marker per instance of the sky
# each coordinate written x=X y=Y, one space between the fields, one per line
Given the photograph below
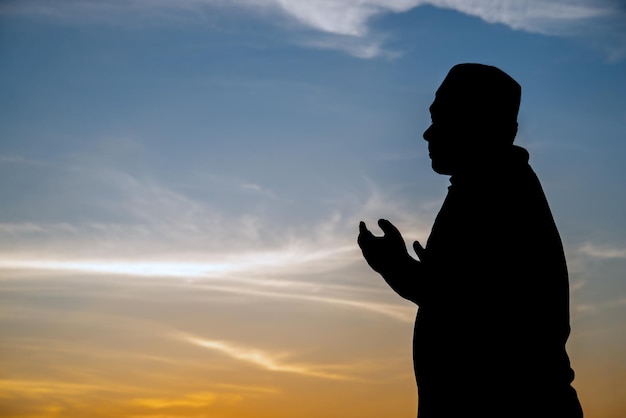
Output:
x=182 y=182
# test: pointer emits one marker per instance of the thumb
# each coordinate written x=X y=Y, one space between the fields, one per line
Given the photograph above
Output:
x=419 y=250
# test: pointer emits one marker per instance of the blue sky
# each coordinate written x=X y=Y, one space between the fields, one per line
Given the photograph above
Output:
x=237 y=145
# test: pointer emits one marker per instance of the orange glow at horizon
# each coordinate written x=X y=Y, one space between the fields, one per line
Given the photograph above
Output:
x=105 y=346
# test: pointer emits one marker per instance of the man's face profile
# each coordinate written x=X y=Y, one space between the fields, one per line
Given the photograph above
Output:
x=448 y=137
x=474 y=117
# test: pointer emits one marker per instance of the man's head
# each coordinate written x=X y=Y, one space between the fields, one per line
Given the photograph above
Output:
x=474 y=117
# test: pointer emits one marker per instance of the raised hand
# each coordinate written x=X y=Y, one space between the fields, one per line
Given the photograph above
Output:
x=388 y=256
x=384 y=254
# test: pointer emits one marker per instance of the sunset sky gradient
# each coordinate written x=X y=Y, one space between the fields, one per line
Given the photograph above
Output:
x=182 y=182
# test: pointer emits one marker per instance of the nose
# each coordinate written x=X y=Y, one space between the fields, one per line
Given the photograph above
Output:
x=427 y=135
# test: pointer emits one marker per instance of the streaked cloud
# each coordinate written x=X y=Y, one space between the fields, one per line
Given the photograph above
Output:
x=400 y=312
x=141 y=226
x=46 y=387
x=275 y=362
x=250 y=389
x=193 y=400
x=287 y=259
x=597 y=251
x=25 y=161
x=342 y=296
x=346 y=17
x=590 y=308
x=164 y=232
x=531 y=15
x=357 y=46
x=346 y=23
x=349 y=17
x=177 y=258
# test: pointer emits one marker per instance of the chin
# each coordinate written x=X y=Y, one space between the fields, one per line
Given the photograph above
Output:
x=440 y=168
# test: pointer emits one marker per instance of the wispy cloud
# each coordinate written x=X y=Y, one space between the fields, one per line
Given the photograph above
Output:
x=174 y=236
x=347 y=23
x=590 y=308
x=531 y=15
x=138 y=225
x=398 y=312
x=16 y=159
x=121 y=210
x=357 y=46
x=249 y=389
x=286 y=260
x=597 y=251
x=149 y=229
x=48 y=387
x=346 y=17
x=275 y=362
x=245 y=284
x=192 y=400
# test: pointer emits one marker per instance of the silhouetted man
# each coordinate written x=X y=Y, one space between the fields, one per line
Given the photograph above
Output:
x=491 y=284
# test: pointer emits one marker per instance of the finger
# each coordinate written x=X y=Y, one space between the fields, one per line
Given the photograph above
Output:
x=419 y=250
x=364 y=233
x=388 y=227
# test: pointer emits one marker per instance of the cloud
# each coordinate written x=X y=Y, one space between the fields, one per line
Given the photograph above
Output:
x=286 y=260
x=253 y=282
x=596 y=251
x=192 y=400
x=264 y=359
x=151 y=229
x=47 y=387
x=250 y=389
x=164 y=232
x=530 y=15
x=25 y=161
x=398 y=312
x=370 y=47
x=348 y=17
x=347 y=23
x=592 y=308
x=148 y=217
x=119 y=222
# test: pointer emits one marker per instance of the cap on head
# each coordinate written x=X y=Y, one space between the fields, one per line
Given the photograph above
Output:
x=481 y=93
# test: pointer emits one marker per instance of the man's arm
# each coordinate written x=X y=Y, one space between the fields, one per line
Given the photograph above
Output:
x=388 y=256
